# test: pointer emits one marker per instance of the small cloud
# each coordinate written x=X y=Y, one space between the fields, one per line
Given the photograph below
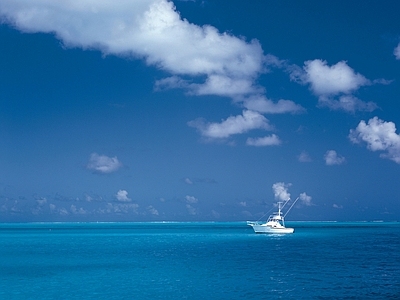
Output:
x=337 y=206
x=74 y=210
x=191 y=210
x=243 y=203
x=63 y=211
x=263 y=105
x=348 y=103
x=191 y=199
x=280 y=190
x=103 y=164
x=272 y=140
x=379 y=135
x=42 y=201
x=396 y=51
x=188 y=181
x=332 y=158
x=382 y=81
x=121 y=208
x=152 y=210
x=305 y=199
x=249 y=120
x=304 y=157
x=122 y=196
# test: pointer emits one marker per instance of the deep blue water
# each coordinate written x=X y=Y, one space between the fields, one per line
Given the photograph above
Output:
x=199 y=261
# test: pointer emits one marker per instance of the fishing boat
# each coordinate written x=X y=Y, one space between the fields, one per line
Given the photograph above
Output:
x=275 y=222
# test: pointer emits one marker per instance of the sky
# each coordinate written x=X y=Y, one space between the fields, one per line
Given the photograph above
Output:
x=155 y=110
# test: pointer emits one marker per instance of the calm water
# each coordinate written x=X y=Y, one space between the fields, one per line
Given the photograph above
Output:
x=199 y=260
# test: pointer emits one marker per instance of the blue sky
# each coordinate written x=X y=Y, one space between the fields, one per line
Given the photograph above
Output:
x=199 y=110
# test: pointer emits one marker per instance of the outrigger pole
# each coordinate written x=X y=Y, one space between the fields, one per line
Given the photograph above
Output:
x=291 y=206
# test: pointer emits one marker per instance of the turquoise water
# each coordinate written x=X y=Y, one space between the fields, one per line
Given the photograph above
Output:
x=199 y=260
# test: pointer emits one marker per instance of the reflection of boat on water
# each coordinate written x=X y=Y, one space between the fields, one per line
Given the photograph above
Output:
x=275 y=223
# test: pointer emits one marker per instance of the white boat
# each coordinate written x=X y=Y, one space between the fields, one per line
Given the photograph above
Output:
x=274 y=224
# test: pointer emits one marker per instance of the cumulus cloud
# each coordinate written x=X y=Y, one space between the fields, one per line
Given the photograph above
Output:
x=122 y=196
x=152 y=30
x=333 y=85
x=332 y=158
x=103 y=164
x=249 y=120
x=305 y=199
x=272 y=140
x=396 y=51
x=280 y=190
x=379 y=136
x=332 y=80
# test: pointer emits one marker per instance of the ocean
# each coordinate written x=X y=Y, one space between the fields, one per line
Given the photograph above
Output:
x=321 y=260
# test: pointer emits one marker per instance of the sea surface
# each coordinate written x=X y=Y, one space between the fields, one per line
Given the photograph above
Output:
x=321 y=260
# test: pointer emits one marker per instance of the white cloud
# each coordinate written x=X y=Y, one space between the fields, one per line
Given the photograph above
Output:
x=191 y=199
x=122 y=196
x=41 y=201
x=188 y=181
x=379 y=136
x=261 y=104
x=304 y=157
x=337 y=206
x=337 y=79
x=233 y=125
x=225 y=85
x=103 y=164
x=347 y=103
x=152 y=210
x=74 y=210
x=149 y=29
x=334 y=85
x=121 y=208
x=332 y=158
x=305 y=199
x=396 y=51
x=63 y=211
x=191 y=210
x=272 y=140
x=280 y=190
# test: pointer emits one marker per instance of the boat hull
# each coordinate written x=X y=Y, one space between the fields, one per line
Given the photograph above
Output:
x=268 y=229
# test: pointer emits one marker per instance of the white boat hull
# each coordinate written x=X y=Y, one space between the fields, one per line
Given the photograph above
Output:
x=268 y=229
